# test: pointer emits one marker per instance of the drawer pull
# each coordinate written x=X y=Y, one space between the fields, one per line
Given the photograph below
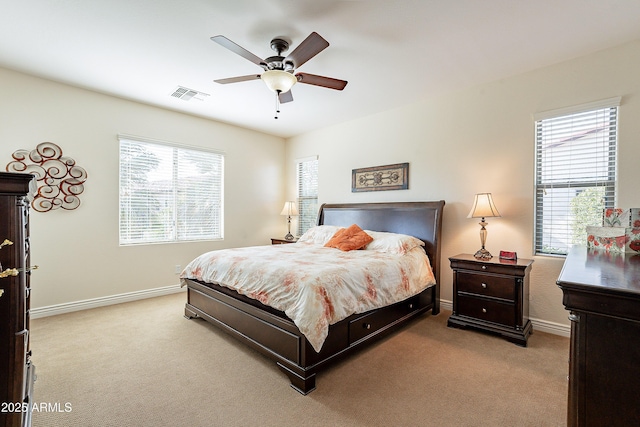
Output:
x=484 y=310
x=367 y=325
x=13 y=272
x=484 y=286
x=411 y=306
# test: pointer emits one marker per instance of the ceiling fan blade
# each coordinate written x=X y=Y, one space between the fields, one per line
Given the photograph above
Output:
x=235 y=48
x=328 y=82
x=285 y=97
x=310 y=47
x=238 y=79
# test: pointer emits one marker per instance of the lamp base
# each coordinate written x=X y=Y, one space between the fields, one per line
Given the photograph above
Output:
x=289 y=236
x=483 y=254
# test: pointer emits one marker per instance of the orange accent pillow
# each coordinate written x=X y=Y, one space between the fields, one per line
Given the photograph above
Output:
x=348 y=239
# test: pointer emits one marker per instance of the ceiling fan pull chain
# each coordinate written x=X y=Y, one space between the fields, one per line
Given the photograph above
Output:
x=277 y=104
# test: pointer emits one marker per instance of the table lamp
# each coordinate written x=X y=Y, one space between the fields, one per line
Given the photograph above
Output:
x=483 y=207
x=289 y=210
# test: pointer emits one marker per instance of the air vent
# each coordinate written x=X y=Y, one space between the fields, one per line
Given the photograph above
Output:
x=186 y=94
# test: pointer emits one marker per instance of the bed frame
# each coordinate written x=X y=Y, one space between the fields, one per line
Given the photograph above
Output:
x=273 y=334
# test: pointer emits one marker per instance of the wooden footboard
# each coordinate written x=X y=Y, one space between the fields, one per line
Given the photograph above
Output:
x=279 y=338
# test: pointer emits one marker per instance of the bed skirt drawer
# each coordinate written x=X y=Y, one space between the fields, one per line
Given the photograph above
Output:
x=369 y=324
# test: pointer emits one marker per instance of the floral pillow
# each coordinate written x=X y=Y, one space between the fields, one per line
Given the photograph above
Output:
x=349 y=239
x=319 y=235
x=392 y=243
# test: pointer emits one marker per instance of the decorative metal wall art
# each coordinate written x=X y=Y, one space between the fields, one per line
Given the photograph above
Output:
x=60 y=181
x=377 y=178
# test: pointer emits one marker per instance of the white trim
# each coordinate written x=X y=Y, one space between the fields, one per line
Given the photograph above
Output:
x=551 y=327
x=144 y=139
x=52 y=310
x=86 y=304
x=307 y=159
x=596 y=105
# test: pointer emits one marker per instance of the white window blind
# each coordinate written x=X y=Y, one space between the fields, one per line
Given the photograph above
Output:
x=575 y=174
x=169 y=193
x=307 y=177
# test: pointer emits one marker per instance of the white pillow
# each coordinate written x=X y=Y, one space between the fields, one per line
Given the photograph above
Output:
x=319 y=235
x=392 y=243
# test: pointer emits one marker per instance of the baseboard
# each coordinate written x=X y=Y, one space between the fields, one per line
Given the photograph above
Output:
x=538 y=324
x=551 y=327
x=69 y=307
x=446 y=305
x=52 y=310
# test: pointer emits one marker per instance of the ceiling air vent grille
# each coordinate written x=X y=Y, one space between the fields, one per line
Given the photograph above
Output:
x=186 y=94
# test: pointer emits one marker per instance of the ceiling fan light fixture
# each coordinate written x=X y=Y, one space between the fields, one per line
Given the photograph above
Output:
x=279 y=81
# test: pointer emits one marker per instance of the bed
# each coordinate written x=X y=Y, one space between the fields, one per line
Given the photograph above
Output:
x=271 y=332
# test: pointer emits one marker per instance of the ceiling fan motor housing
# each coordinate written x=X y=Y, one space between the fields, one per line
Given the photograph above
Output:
x=279 y=45
x=277 y=62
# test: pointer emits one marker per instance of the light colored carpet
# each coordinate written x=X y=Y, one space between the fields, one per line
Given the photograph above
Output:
x=144 y=364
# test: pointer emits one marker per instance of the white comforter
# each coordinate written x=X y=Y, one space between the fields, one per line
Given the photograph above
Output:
x=315 y=286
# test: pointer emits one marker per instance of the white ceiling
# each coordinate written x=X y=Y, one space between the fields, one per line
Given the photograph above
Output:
x=392 y=52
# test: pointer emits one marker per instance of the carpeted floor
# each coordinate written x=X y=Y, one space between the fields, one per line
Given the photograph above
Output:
x=144 y=364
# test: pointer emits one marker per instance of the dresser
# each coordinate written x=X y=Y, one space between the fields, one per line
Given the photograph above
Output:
x=601 y=290
x=492 y=295
x=17 y=373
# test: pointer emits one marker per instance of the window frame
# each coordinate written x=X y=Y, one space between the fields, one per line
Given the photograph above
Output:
x=308 y=216
x=608 y=108
x=174 y=221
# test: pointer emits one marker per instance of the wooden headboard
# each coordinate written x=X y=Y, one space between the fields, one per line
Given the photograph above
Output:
x=419 y=219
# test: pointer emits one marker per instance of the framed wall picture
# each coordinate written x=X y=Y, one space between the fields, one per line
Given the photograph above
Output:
x=379 y=178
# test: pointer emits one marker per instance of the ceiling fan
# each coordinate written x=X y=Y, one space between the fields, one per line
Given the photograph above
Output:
x=279 y=71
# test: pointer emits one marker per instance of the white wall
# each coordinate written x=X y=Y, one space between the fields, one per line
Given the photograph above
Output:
x=78 y=251
x=479 y=139
x=482 y=140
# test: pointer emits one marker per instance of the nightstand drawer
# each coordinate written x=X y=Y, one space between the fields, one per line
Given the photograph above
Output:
x=487 y=310
x=276 y=241
x=487 y=285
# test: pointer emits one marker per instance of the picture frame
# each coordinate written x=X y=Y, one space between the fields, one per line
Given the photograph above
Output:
x=508 y=255
x=380 y=178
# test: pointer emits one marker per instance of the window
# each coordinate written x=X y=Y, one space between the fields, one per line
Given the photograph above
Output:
x=169 y=193
x=307 y=173
x=575 y=173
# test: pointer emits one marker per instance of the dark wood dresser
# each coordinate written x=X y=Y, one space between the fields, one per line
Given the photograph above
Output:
x=492 y=295
x=17 y=373
x=602 y=292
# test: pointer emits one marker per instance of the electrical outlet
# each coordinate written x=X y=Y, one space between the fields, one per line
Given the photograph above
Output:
x=178 y=269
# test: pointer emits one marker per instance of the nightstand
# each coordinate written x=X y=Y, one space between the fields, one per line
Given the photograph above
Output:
x=492 y=295
x=282 y=241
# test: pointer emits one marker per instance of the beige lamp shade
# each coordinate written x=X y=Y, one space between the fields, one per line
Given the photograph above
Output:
x=289 y=209
x=483 y=207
